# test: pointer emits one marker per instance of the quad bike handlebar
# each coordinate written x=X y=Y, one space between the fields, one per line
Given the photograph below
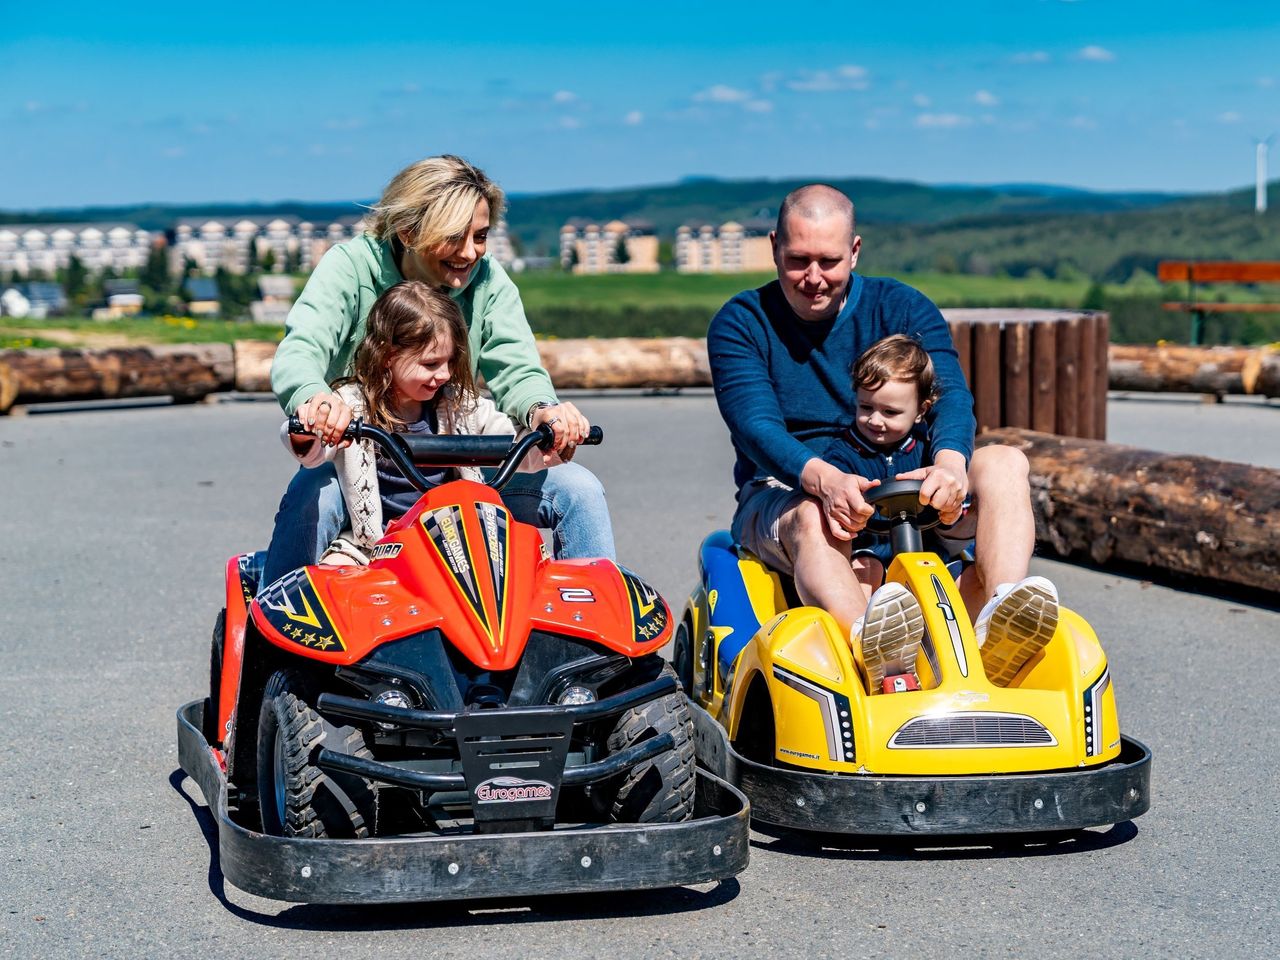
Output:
x=408 y=451
x=900 y=515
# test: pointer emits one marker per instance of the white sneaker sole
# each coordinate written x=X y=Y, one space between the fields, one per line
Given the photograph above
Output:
x=1021 y=626
x=891 y=638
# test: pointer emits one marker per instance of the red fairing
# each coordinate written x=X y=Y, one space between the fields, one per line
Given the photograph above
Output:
x=459 y=558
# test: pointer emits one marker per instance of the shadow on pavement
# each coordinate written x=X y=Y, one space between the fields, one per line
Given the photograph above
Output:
x=976 y=847
x=480 y=913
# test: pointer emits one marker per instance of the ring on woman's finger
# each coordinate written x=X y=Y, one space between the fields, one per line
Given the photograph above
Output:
x=553 y=421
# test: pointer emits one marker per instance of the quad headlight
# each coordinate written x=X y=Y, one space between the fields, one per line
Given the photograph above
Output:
x=575 y=696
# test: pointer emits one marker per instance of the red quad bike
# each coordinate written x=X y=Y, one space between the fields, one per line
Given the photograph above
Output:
x=464 y=717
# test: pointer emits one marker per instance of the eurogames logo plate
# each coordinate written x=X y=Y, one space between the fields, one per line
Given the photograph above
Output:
x=513 y=790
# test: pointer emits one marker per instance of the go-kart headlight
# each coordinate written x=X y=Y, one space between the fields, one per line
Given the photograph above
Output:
x=393 y=698
x=575 y=696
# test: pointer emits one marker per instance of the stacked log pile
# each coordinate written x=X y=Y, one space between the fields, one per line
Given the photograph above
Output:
x=1184 y=514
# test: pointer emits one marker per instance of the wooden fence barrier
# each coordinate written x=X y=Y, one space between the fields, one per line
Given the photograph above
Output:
x=1044 y=370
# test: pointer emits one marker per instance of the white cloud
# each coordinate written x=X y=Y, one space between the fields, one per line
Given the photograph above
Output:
x=758 y=106
x=721 y=93
x=1096 y=53
x=1266 y=83
x=564 y=96
x=985 y=98
x=941 y=121
x=175 y=152
x=769 y=81
x=921 y=101
x=850 y=76
x=344 y=123
x=1081 y=122
x=1230 y=116
x=1030 y=56
x=570 y=123
x=633 y=119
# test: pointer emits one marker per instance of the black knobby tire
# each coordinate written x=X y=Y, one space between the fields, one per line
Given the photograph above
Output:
x=296 y=797
x=682 y=656
x=659 y=790
x=211 y=732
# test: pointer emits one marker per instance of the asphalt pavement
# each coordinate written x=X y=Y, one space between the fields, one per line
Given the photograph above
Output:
x=116 y=527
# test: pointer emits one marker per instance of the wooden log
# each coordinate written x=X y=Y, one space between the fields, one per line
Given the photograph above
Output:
x=186 y=372
x=1101 y=368
x=1087 y=396
x=1017 y=376
x=1068 y=377
x=985 y=384
x=1169 y=368
x=253 y=365
x=626 y=362
x=1044 y=377
x=962 y=337
x=1179 y=513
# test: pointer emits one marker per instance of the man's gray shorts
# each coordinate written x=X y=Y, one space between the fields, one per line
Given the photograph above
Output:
x=762 y=504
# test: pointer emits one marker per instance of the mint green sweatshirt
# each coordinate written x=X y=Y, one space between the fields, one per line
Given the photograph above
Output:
x=327 y=321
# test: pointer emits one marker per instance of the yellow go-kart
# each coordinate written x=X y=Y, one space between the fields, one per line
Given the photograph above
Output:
x=790 y=719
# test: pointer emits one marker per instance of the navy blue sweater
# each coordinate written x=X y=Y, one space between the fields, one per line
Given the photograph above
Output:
x=784 y=385
x=859 y=456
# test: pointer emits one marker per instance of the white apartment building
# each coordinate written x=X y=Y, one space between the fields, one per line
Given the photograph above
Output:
x=587 y=247
x=49 y=246
x=213 y=242
x=729 y=248
x=224 y=242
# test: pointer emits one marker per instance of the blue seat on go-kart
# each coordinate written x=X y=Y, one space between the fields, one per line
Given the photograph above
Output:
x=733 y=617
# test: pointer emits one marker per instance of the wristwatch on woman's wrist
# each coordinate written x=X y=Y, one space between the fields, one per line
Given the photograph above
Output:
x=540 y=405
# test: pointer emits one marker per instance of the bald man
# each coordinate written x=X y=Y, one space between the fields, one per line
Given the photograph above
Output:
x=781 y=357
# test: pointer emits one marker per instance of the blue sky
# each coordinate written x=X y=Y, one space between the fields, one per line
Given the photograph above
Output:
x=123 y=103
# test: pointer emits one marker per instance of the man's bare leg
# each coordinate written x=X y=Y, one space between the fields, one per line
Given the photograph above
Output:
x=1006 y=534
x=820 y=564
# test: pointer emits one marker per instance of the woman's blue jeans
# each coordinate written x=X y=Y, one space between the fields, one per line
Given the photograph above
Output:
x=568 y=500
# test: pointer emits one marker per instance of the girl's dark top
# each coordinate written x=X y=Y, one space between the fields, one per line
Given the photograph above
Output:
x=398 y=494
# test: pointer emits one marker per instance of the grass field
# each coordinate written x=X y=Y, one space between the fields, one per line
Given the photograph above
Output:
x=709 y=291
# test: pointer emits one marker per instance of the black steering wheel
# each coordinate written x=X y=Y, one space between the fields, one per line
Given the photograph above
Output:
x=897 y=501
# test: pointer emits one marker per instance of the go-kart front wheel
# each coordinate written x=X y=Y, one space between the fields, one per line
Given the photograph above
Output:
x=297 y=798
x=659 y=790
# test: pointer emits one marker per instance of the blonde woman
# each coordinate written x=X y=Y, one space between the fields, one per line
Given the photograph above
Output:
x=431 y=224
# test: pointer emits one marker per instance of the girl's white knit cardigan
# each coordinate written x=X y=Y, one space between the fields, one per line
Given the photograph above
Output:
x=356 y=465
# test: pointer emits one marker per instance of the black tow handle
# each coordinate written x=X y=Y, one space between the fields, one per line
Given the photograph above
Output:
x=400 y=449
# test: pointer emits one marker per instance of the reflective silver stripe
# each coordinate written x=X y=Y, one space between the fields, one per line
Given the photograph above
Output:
x=953 y=628
x=826 y=703
x=1093 y=739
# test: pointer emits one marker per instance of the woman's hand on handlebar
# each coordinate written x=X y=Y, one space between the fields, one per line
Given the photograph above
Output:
x=567 y=423
x=327 y=416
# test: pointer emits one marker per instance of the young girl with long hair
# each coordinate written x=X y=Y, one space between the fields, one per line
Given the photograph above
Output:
x=411 y=374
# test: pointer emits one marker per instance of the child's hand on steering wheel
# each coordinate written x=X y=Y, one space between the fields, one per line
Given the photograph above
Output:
x=941 y=487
